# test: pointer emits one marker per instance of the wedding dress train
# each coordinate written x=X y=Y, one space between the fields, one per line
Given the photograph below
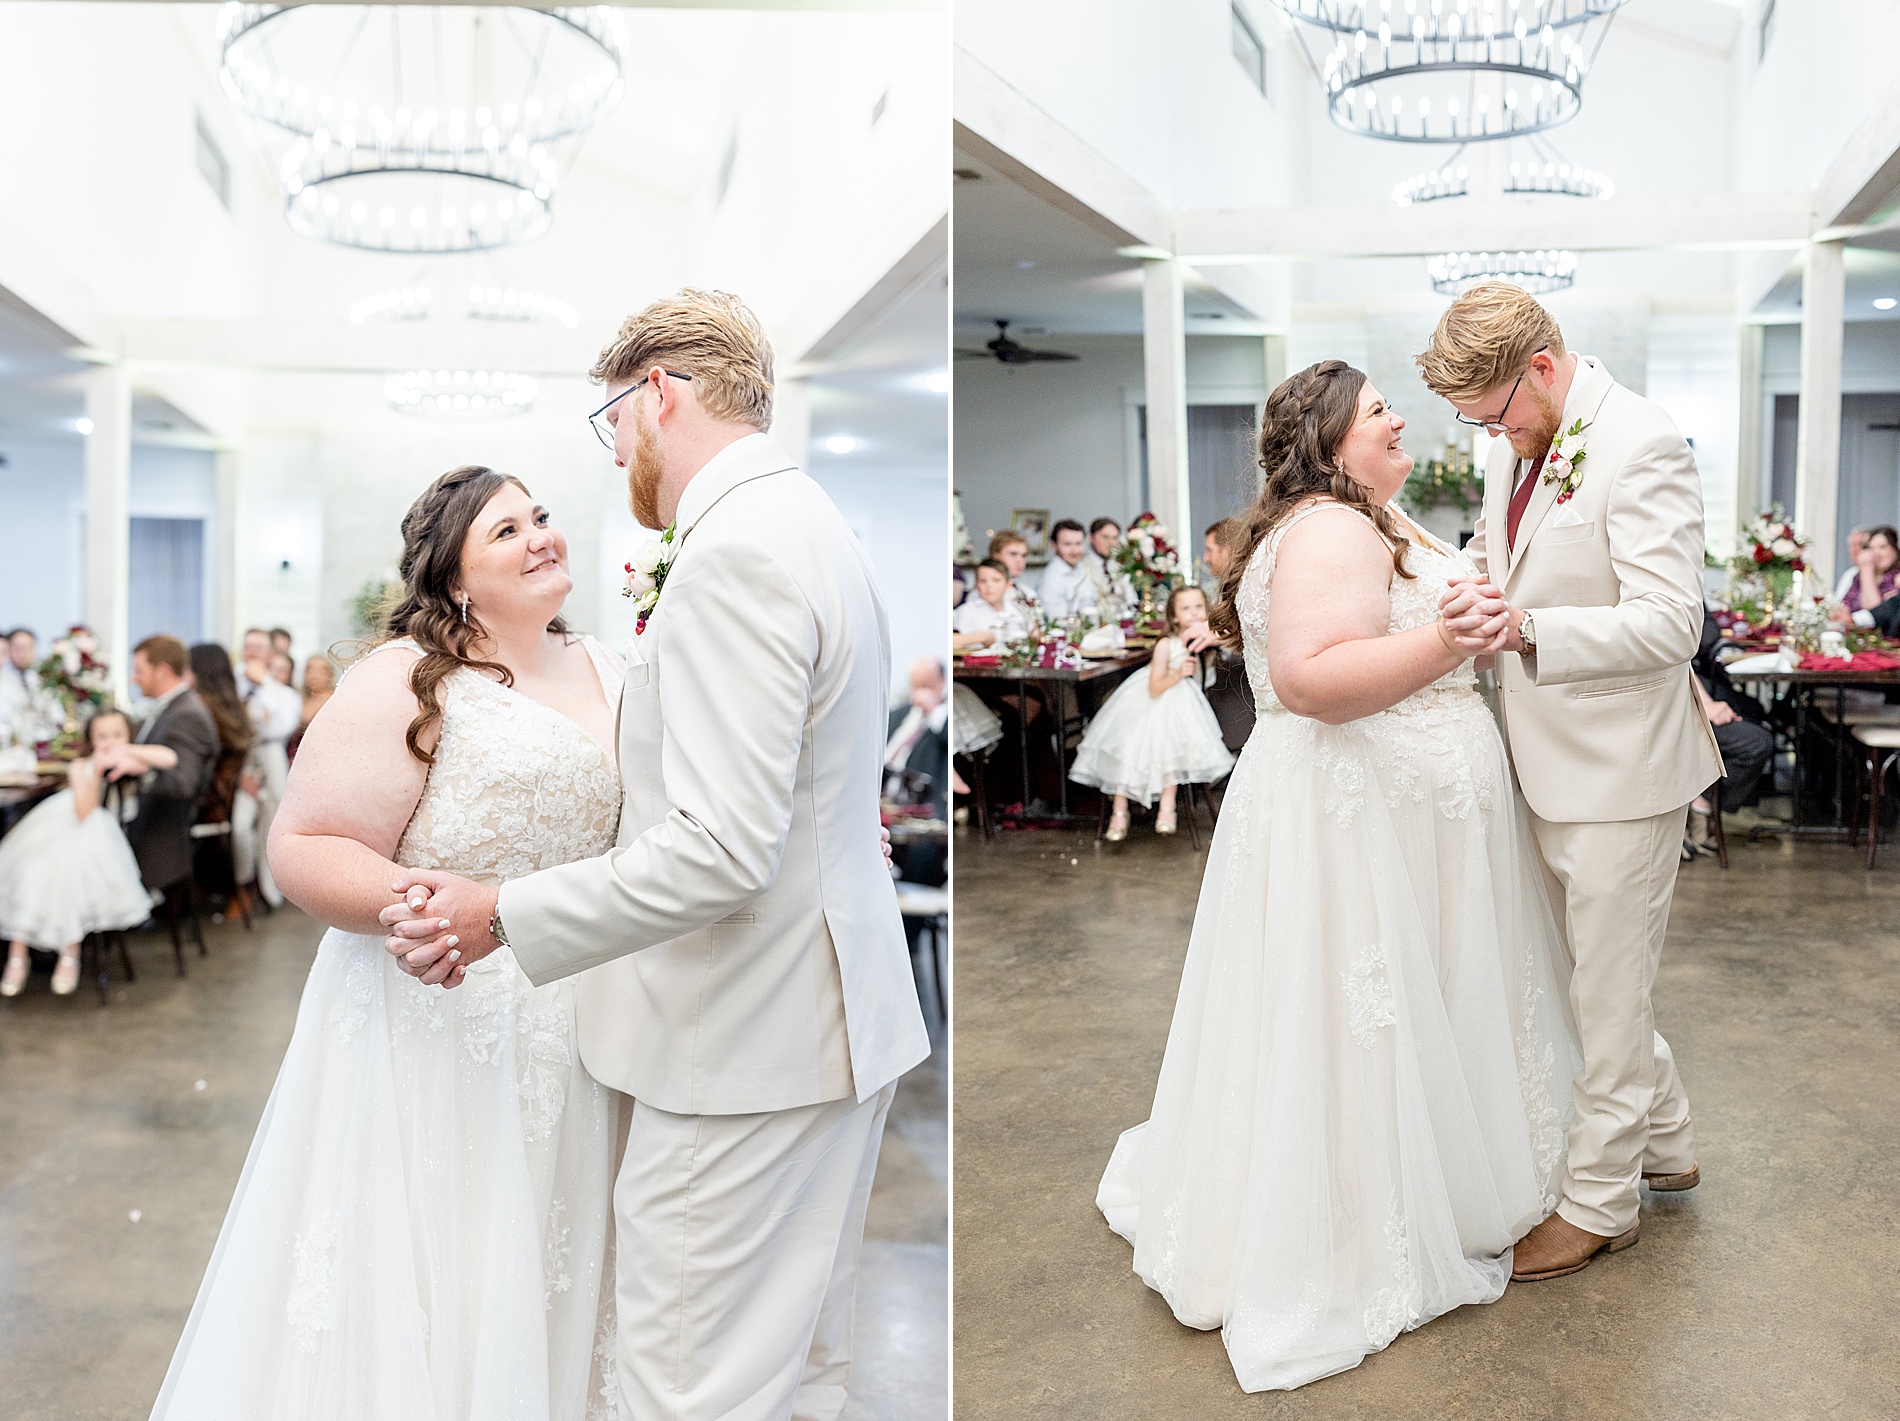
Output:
x=1366 y=1087
x=422 y=1229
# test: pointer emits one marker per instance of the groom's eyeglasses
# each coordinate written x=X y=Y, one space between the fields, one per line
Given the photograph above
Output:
x=598 y=418
x=1496 y=425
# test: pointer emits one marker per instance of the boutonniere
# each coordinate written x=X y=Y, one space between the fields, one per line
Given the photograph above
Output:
x=1563 y=465
x=646 y=575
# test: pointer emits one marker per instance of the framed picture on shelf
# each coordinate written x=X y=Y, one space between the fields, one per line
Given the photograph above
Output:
x=1033 y=524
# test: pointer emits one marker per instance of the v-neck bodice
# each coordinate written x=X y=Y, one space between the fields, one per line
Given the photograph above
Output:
x=517 y=786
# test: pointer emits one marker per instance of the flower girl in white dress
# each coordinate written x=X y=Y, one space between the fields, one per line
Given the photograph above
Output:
x=66 y=869
x=1157 y=732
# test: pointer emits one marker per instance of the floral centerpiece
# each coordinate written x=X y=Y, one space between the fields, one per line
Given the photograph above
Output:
x=1772 y=551
x=78 y=684
x=1151 y=563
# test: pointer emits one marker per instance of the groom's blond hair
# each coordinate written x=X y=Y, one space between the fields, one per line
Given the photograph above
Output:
x=711 y=336
x=1487 y=338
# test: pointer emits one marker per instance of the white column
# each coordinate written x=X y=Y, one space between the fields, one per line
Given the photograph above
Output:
x=224 y=615
x=108 y=524
x=1818 y=441
x=1164 y=355
x=791 y=420
x=1750 y=452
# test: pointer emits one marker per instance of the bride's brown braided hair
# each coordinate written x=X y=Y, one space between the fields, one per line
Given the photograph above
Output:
x=1307 y=418
x=433 y=533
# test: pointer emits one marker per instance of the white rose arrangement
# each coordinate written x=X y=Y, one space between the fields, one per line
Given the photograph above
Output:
x=1563 y=465
x=646 y=575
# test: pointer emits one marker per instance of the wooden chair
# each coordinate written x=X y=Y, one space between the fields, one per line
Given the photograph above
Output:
x=95 y=953
x=1714 y=796
x=1882 y=744
x=974 y=766
x=213 y=828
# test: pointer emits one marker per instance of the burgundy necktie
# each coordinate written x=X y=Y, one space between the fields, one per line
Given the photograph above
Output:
x=1520 y=500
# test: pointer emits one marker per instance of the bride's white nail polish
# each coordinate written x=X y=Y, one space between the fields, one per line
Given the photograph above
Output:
x=455 y=957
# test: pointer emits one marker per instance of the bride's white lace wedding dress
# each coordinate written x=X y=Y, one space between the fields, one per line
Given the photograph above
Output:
x=1367 y=1081
x=422 y=1229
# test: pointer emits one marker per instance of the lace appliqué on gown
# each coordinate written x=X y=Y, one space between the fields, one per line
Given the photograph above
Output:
x=434 y=1167
x=1369 y=1003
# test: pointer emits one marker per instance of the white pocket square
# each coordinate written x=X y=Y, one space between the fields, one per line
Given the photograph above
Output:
x=1567 y=517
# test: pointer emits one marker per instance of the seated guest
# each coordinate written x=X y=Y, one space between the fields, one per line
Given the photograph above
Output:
x=1011 y=549
x=66 y=869
x=919 y=739
x=1878 y=567
x=1066 y=588
x=917 y=766
x=276 y=710
x=1856 y=540
x=26 y=710
x=1229 y=691
x=1747 y=745
x=988 y=620
x=283 y=669
x=226 y=800
x=1112 y=587
x=319 y=684
x=160 y=831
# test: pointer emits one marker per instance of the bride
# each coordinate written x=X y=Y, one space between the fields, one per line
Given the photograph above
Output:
x=424 y=1225
x=1363 y=1100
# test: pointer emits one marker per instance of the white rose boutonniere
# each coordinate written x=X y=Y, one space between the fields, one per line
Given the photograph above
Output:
x=1563 y=465
x=646 y=575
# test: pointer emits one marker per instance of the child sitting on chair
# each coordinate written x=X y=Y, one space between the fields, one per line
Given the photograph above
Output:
x=1157 y=731
x=66 y=869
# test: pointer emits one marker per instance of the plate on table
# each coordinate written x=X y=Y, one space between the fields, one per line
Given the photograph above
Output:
x=1754 y=665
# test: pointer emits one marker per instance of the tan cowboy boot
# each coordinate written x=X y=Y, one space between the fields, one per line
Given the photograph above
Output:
x=1557 y=1246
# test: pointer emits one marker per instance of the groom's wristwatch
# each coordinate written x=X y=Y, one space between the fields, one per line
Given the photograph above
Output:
x=497 y=931
x=1527 y=633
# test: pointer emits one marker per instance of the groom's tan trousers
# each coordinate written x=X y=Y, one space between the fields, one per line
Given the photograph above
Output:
x=1610 y=886
x=737 y=1253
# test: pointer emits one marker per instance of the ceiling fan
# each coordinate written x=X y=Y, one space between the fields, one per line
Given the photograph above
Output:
x=1011 y=352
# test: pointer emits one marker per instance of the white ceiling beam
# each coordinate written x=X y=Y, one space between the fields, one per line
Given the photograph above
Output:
x=1865 y=174
x=998 y=125
x=1687 y=222
x=281 y=345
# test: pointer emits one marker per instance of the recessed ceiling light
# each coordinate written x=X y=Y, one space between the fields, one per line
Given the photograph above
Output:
x=83 y=425
x=1886 y=303
x=938 y=382
x=841 y=444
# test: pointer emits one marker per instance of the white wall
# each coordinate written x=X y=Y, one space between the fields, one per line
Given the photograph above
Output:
x=1064 y=436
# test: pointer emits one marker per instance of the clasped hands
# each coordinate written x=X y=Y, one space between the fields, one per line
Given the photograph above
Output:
x=1480 y=621
x=440 y=925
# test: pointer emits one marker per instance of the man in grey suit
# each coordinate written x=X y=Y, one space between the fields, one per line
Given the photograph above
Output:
x=160 y=833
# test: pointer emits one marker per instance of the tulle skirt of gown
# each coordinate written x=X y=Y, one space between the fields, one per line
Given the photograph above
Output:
x=1139 y=744
x=1366 y=1088
x=62 y=877
x=422 y=1229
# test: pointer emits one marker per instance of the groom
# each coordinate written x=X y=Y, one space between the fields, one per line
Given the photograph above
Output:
x=1590 y=554
x=747 y=978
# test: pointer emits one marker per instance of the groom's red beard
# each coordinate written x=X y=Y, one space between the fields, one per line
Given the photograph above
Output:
x=1535 y=439
x=644 y=475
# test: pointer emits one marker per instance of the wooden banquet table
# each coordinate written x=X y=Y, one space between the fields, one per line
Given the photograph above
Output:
x=1063 y=704
x=17 y=799
x=1803 y=688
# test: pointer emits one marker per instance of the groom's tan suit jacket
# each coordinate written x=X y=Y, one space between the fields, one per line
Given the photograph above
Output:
x=1603 y=722
x=745 y=947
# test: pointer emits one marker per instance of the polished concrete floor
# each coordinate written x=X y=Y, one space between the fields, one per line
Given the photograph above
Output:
x=122 y=1131
x=1769 y=1292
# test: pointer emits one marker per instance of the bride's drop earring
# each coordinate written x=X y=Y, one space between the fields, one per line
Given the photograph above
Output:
x=464 y=609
